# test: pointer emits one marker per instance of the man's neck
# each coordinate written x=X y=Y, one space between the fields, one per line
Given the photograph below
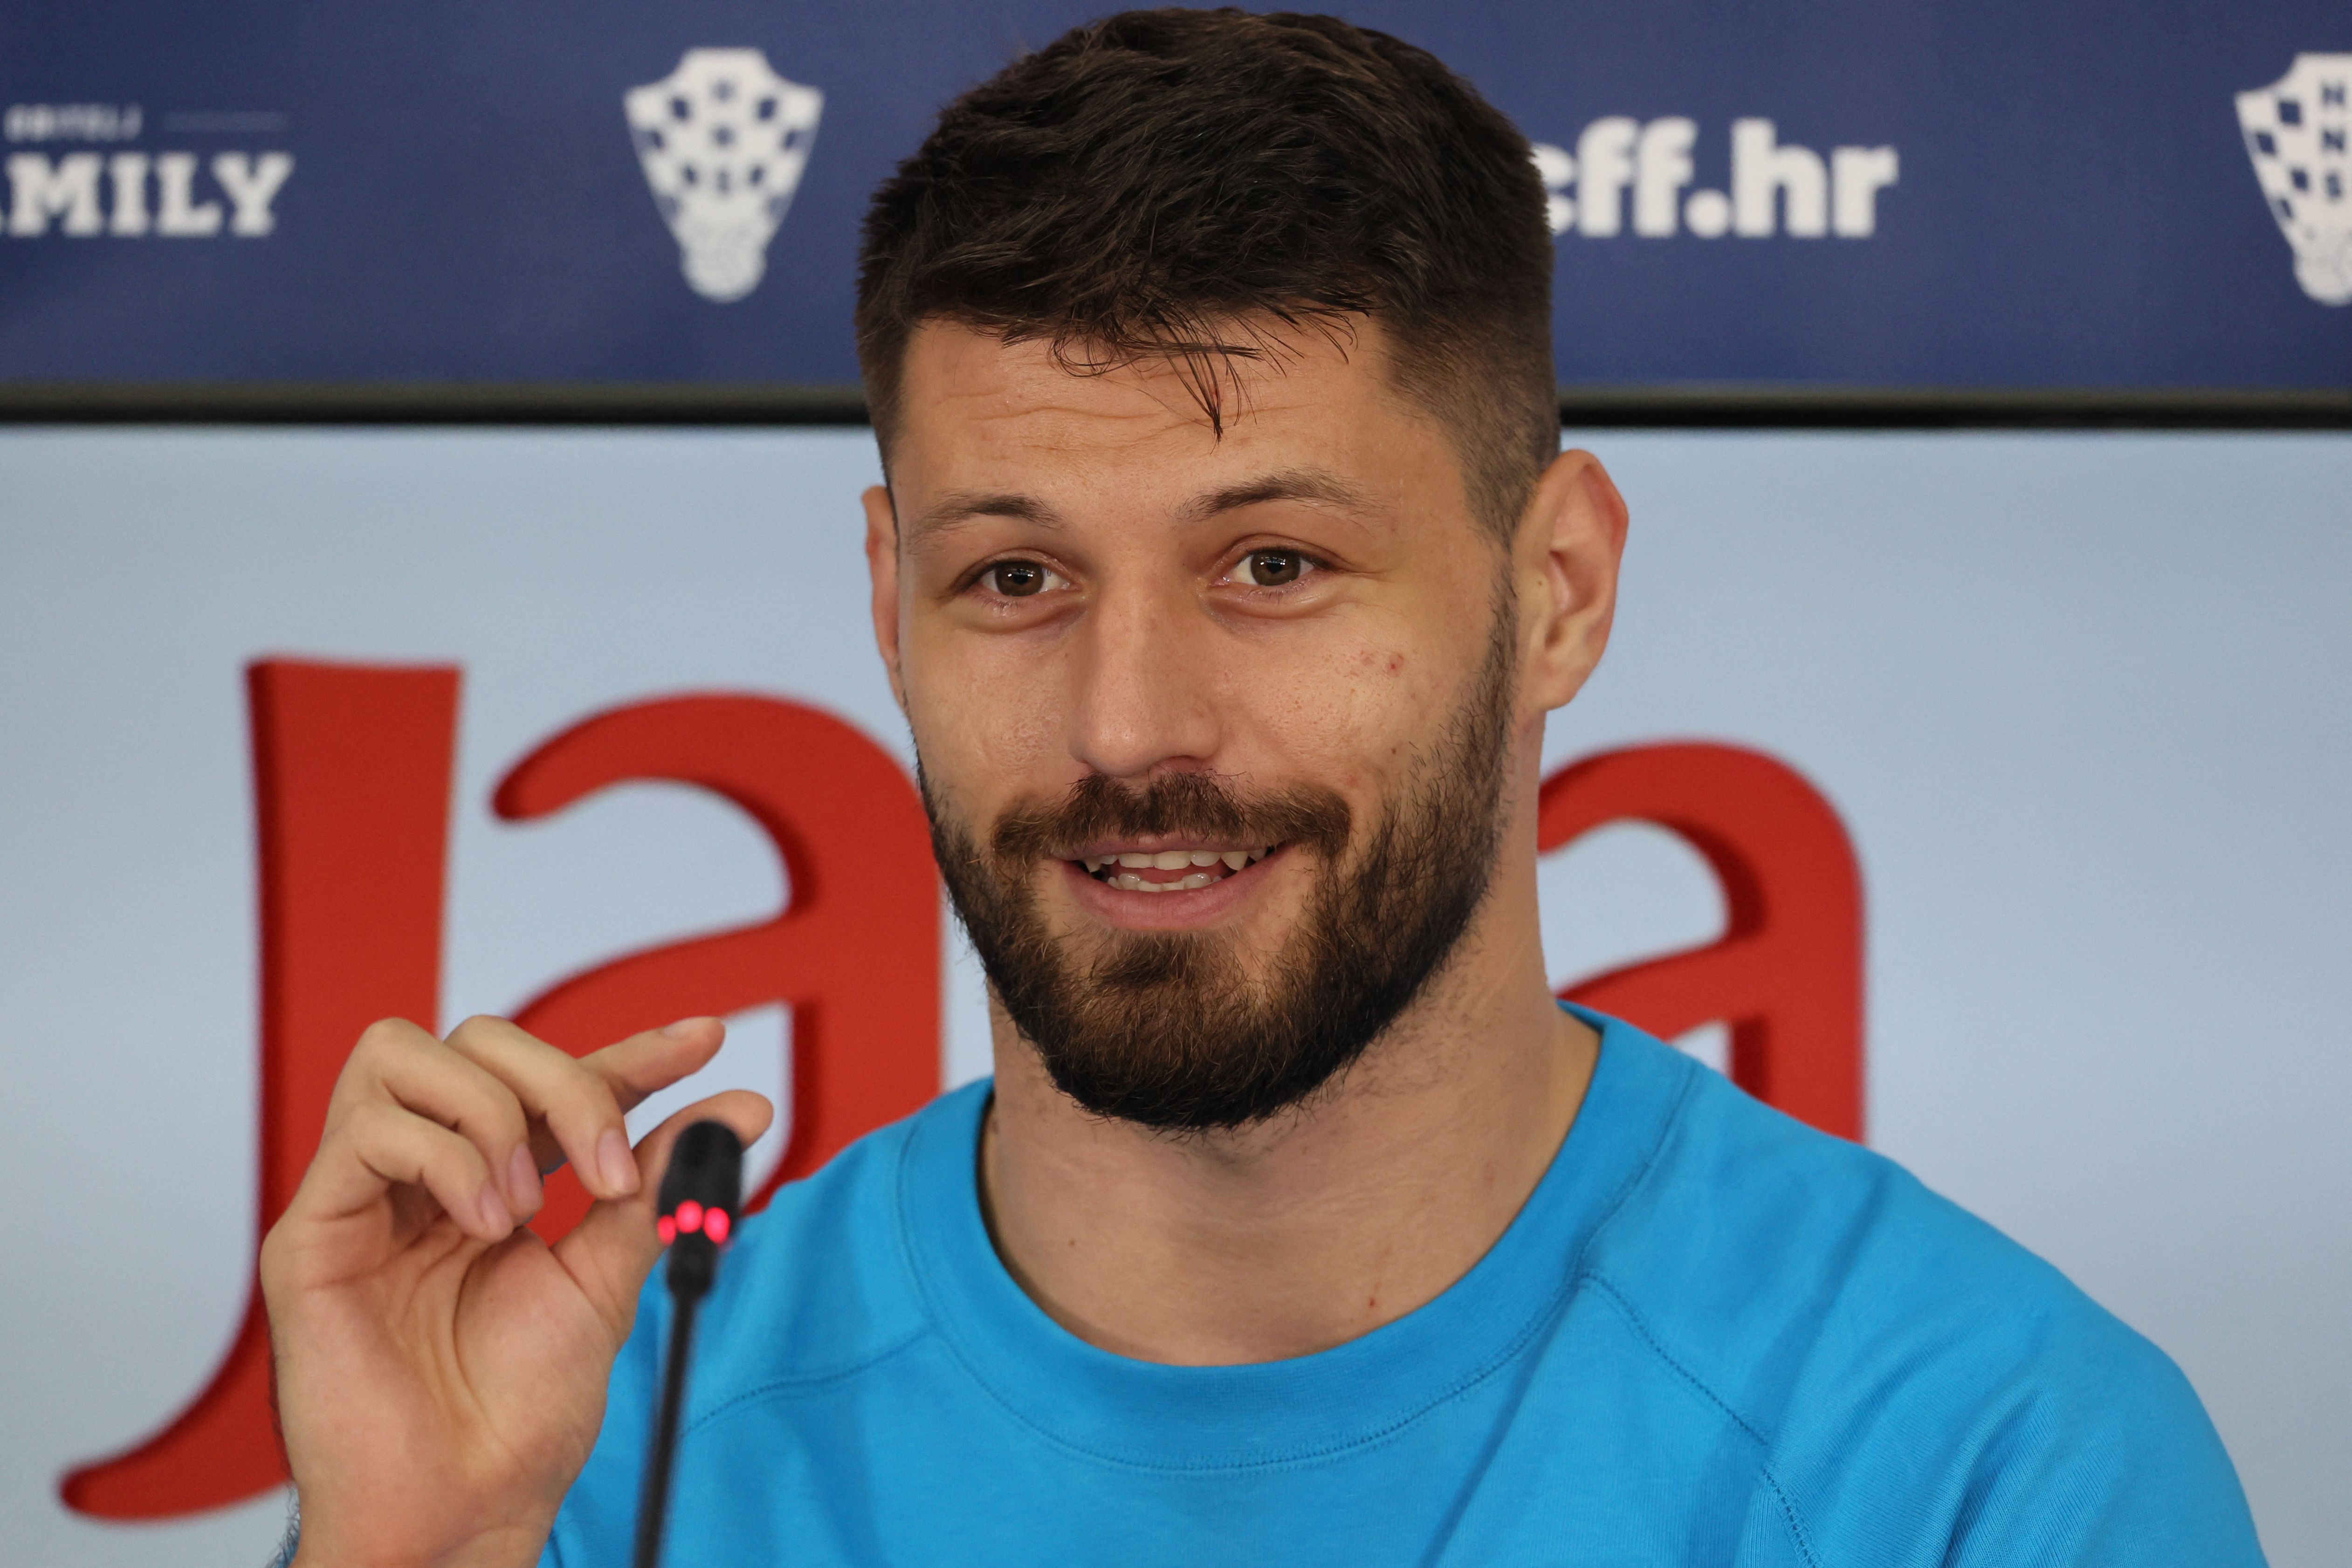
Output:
x=1290 y=1238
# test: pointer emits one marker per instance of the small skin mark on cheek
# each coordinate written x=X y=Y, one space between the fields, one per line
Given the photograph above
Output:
x=1396 y=662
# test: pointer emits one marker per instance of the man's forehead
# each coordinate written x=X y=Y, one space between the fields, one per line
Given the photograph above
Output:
x=975 y=373
x=985 y=427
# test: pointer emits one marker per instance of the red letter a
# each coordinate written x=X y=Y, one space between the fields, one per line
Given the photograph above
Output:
x=854 y=952
x=350 y=771
x=1786 y=975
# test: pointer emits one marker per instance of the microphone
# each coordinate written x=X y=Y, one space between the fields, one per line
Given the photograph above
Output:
x=700 y=1194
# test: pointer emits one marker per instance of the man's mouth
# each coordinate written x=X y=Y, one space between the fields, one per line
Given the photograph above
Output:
x=1169 y=870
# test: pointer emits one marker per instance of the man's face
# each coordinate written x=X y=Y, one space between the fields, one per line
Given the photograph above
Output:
x=1213 y=731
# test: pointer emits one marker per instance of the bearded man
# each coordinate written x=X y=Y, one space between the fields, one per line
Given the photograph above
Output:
x=1226 y=570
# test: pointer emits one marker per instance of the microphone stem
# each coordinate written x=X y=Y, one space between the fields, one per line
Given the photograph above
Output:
x=653 y=1506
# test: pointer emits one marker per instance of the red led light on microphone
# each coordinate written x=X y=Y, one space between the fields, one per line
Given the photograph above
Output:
x=691 y=1218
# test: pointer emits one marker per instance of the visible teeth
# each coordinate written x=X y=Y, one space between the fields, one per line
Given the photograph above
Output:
x=1199 y=861
x=1133 y=884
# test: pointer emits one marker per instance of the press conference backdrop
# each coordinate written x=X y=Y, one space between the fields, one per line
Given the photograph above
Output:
x=2130 y=196
x=2077 y=702
x=2073 y=704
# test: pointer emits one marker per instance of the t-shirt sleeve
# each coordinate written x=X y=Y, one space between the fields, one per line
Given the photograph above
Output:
x=1961 y=1403
x=2111 y=1461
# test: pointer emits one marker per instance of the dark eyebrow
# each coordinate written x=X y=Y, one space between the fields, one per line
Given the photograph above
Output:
x=1318 y=486
x=960 y=506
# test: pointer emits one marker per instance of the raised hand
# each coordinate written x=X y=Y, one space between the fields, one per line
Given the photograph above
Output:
x=440 y=1370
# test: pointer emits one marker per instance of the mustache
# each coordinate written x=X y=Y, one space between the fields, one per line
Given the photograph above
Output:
x=1199 y=805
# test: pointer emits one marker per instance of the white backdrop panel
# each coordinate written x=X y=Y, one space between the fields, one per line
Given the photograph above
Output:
x=2081 y=700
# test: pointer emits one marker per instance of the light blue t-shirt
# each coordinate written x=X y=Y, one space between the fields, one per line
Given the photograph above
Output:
x=1712 y=1336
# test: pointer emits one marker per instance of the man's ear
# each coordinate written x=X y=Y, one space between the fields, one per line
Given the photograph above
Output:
x=882 y=569
x=1568 y=544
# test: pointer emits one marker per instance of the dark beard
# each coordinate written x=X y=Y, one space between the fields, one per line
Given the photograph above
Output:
x=1165 y=1028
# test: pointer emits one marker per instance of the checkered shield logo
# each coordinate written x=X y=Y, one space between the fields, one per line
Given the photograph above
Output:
x=723 y=140
x=2296 y=129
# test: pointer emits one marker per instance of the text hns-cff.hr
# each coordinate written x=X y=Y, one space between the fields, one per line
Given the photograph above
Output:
x=1620 y=163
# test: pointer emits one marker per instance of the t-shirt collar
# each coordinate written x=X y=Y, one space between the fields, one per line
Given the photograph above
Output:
x=1187 y=1418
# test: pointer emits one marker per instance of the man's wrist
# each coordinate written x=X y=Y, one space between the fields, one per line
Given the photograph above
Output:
x=498 y=1549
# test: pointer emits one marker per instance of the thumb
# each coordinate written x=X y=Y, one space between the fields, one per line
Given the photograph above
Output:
x=609 y=1253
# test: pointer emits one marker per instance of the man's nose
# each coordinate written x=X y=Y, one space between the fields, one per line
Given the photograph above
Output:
x=1145 y=673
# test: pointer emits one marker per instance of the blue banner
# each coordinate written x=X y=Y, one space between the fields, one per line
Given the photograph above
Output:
x=1892 y=194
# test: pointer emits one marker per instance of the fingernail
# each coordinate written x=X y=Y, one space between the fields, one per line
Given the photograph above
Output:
x=684 y=1026
x=497 y=1217
x=522 y=1179
x=615 y=1163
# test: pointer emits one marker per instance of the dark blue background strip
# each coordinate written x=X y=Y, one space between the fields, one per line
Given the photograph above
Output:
x=2076 y=204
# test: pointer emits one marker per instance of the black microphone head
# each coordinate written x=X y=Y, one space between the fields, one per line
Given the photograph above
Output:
x=701 y=1192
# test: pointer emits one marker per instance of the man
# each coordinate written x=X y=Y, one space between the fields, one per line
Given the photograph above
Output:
x=1226 y=571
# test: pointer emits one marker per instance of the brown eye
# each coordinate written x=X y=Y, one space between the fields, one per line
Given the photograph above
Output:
x=1016 y=579
x=1272 y=568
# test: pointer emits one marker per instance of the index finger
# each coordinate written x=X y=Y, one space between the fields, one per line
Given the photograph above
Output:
x=647 y=1063
x=576 y=1104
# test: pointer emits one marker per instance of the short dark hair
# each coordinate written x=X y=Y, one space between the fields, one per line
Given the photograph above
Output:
x=1152 y=183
